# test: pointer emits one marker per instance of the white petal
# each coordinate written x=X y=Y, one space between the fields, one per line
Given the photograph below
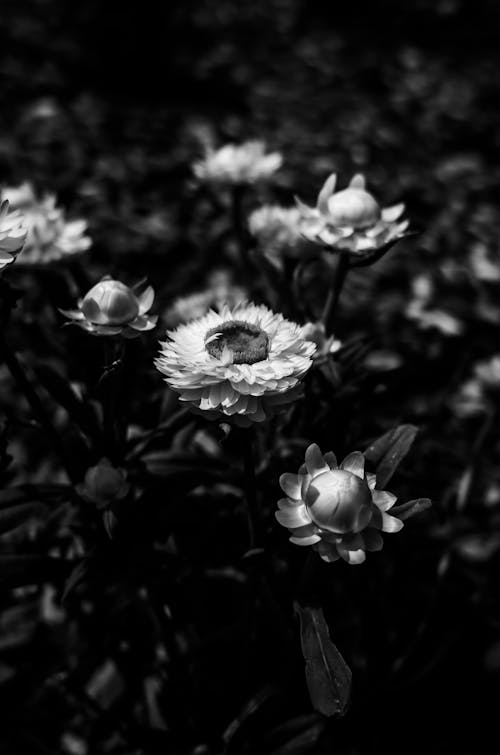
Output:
x=294 y=516
x=390 y=214
x=383 y=499
x=325 y=193
x=291 y=484
x=308 y=540
x=315 y=462
x=354 y=463
x=331 y=460
x=391 y=524
x=357 y=182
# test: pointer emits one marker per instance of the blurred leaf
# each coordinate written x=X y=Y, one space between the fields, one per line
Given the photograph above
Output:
x=410 y=508
x=74 y=579
x=328 y=675
x=16 y=515
x=296 y=736
x=18 y=570
x=389 y=450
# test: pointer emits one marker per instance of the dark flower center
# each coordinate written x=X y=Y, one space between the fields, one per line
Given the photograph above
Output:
x=247 y=343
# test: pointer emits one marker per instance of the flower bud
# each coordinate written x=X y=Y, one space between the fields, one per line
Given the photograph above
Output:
x=353 y=207
x=103 y=484
x=110 y=302
x=339 y=501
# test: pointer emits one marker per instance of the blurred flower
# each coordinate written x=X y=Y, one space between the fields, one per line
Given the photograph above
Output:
x=315 y=332
x=238 y=164
x=220 y=291
x=111 y=308
x=103 y=484
x=336 y=508
x=240 y=364
x=483 y=267
x=418 y=309
x=474 y=395
x=50 y=236
x=351 y=220
x=13 y=232
x=277 y=230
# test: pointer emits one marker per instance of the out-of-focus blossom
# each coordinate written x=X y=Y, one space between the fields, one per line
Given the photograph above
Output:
x=103 y=484
x=336 y=508
x=241 y=364
x=474 y=396
x=13 y=232
x=419 y=309
x=220 y=291
x=50 y=237
x=234 y=164
x=111 y=308
x=483 y=267
x=351 y=220
x=315 y=331
x=277 y=231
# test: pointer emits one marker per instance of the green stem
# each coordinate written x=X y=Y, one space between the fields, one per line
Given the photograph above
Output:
x=20 y=377
x=112 y=390
x=332 y=299
x=250 y=487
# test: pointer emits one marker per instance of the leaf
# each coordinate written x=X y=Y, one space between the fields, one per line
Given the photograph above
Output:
x=327 y=674
x=75 y=578
x=16 y=515
x=389 y=450
x=410 y=508
x=20 y=570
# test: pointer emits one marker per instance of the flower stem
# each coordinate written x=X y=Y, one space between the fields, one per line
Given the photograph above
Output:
x=250 y=487
x=332 y=299
x=112 y=390
x=19 y=375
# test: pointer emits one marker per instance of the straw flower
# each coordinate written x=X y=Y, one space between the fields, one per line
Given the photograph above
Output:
x=50 y=236
x=111 y=308
x=336 y=508
x=240 y=364
x=13 y=232
x=234 y=164
x=351 y=220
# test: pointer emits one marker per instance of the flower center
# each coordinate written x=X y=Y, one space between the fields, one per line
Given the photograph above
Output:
x=339 y=501
x=353 y=207
x=246 y=342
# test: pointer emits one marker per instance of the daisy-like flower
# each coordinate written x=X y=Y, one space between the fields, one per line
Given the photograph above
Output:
x=336 y=507
x=234 y=164
x=50 y=236
x=111 y=308
x=277 y=230
x=240 y=364
x=13 y=232
x=103 y=484
x=351 y=220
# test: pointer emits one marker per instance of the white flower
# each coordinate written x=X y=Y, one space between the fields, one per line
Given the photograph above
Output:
x=240 y=364
x=50 y=236
x=111 y=308
x=238 y=164
x=13 y=232
x=336 y=508
x=351 y=220
x=277 y=230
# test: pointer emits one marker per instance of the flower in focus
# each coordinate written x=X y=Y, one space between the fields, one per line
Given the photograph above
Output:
x=13 y=232
x=241 y=364
x=103 y=484
x=50 y=236
x=220 y=290
x=247 y=163
x=277 y=230
x=336 y=508
x=111 y=308
x=351 y=220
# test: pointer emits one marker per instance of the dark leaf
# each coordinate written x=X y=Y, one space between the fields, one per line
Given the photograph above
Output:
x=77 y=575
x=327 y=674
x=389 y=450
x=16 y=515
x=410 y=508
x=18 y=570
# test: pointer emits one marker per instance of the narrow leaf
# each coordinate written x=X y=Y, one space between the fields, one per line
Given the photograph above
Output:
x=410 y=508
x=14 y=516
x=389 y=450
x=327 y=674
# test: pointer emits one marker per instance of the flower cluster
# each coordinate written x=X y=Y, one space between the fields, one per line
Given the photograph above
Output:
x=336 y=508
x=50 y=237
x=235 y=164
x=111 y=308
x=351 y=220
x=13 y=232
x=240 y=364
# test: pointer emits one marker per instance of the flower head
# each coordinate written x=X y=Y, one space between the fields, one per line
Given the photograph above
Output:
x=103 y=484
x=233 y=164
x=111 y=308
x=277 y=230
x=351 y=219
x=238 y=364
x=13 y=232
x=50 y=237
x=336 y=508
